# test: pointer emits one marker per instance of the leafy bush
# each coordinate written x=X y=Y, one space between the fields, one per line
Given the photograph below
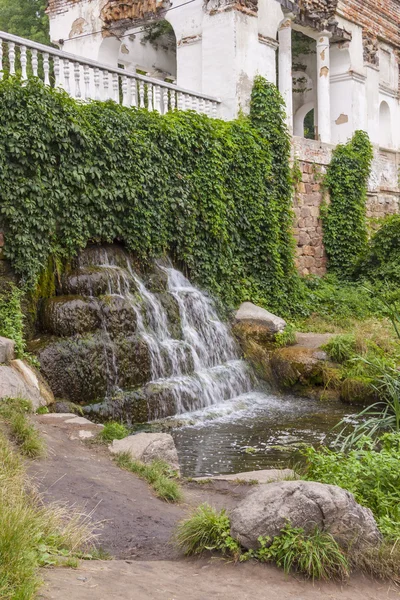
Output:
x=344 y=218
x=12 y=320
x=371 y=471
x=382 y=261
x=206 y=529
x=113 y=431
x=316 y=555
x=179 y=182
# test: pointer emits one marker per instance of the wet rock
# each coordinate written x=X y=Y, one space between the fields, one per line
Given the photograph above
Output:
x=129 y=407
x=19 y=380
x=156 y=280
x=66 y=316
x=358 y=390
x=133 y=362
x=118 y=315
x=96 y=281
x=7 y=349
x=297 y=365
x=148 y=447
x=307 y=504
x=171 y=307
x=63 y=406
x=102 y=254
x=78 y=369
x=261 y=477
x=255 y=315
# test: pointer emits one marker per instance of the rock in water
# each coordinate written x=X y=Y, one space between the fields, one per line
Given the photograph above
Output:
x=306 y=504
x=148 y=447
x=252 y=314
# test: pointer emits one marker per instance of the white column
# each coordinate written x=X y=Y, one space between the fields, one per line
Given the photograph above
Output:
x=285 y=67
x=323 y=87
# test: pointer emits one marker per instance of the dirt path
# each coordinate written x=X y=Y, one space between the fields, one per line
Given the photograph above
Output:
x=136 y=524
x=198 y=580
x=138 y=527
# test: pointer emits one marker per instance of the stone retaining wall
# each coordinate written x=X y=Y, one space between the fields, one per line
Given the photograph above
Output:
x=313 y=158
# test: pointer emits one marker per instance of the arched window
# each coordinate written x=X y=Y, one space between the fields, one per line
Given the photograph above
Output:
x=385 y=126
x=304 y=124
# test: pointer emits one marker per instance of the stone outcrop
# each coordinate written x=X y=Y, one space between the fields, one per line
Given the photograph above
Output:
x=148 y=447
x=250 y=314
x=19 y=380
x=306 y=504
x=298 y=365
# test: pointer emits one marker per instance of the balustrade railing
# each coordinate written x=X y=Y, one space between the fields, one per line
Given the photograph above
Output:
x=85 y=79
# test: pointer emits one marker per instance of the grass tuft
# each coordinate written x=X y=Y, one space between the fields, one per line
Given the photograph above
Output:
x=14 y=412
x=158 y=474
x=113 y=431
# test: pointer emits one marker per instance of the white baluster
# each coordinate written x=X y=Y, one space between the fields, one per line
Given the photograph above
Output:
x=86 y=76
x=46 y=68
x=141 y=94
x=67 y=86
x=11 y=57
x=150 y=97
x=188 y=102
x=35 y=63
x=115 y=82
x=173 y=99
x=57 y=71
x=201 y=104
x=1 y=59
x=77 y=76
x=134 y=92
x=106 y=84
x=157 y=98
x=194 y=104
x=125 y=98
x=181 y=101
x=23 y=63
x=97 y=84
x=214 y=110
x=165 y=101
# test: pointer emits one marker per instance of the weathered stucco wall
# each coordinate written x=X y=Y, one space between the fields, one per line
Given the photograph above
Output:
x=313 y=159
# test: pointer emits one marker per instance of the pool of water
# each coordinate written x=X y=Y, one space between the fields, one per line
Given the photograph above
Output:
x=255 y=431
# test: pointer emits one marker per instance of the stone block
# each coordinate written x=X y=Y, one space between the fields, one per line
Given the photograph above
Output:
x=7 y=350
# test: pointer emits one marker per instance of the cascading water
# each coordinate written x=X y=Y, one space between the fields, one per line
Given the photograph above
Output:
x=199 y=370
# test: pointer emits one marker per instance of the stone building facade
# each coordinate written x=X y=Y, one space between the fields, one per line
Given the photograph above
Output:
x=336 y=63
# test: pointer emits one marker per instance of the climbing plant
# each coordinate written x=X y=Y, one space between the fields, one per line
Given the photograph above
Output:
x=216 y=195
x=344 y=218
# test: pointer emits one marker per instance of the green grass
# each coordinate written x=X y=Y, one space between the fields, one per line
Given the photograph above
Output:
x=14 y=413
x=31 y=534
x=112 y=431
x=158 y=474
x=316 y=555
x=206 y=529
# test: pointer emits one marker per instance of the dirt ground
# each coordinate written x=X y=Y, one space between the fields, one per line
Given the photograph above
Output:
x=136 y=529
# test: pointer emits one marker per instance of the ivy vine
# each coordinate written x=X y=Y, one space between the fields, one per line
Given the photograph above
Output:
x=344 y=218
x=216 y=195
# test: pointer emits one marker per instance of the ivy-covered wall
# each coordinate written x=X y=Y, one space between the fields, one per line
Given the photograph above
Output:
x=216 y=195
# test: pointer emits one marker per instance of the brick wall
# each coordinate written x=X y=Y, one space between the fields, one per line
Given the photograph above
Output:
x=313 y=159
x=58 y=7
x=381 y=18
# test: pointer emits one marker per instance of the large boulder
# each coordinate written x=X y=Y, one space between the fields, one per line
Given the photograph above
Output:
x=7 y=348
x=255 y=315
x=148 y=447
x=306 y=504
x=298 y=365
x=19 y=380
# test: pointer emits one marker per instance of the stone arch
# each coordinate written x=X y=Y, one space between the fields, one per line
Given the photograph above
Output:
x=109 y=51
x=385 y=125
x=298 y=124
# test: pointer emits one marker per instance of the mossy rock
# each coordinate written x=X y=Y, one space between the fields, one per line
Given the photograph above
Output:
x=64 y=406
x=358 y=390
x=65 y=316
x=298 y=366
x=254 y=332
x=170 y=305
x=118 y=315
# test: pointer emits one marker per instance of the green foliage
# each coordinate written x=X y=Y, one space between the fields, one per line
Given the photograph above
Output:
x=158 y=474
x=316 y=555
x=371 y=471
x=113 y=431
x=287 y=337
x=344 y=218
x=158 y=30
x=26 y=18
x=26 y=436
x=12 y=319
x=206 y=529
x=341 y=348
x=214 y=194
x=382 y=261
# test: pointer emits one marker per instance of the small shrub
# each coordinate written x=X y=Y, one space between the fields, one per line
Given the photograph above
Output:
x=341 y=348
x=113 y=431
x=206 y=529
x=287 y=337
x=158 y=474
x=12 y=320
x=316 y=555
